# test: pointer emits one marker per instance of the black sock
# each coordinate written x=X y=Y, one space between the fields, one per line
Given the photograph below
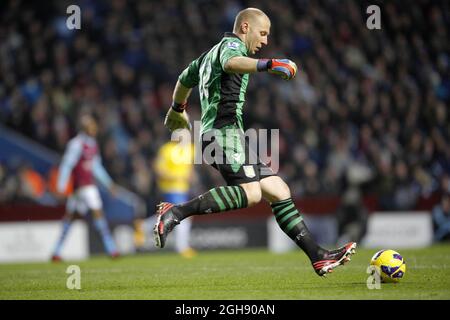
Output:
x=215 y=200
x=291 y=222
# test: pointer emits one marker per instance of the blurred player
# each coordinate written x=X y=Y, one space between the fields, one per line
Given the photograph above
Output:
x=174 y=167
x=222 y=75
x=81 y=162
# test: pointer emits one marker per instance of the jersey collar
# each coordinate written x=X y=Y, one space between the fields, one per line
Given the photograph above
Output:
x=231 y=34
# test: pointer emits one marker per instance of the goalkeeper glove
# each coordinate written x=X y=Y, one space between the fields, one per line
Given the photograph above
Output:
x=284 y=68
x=177 y=117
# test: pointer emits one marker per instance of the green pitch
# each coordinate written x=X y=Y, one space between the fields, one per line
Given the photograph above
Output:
x=255 y=274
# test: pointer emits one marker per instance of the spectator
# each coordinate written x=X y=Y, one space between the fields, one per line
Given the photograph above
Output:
x=33 y=185
x=441 y=219
x=378 y=96
x=352 y=216
x=9 y=185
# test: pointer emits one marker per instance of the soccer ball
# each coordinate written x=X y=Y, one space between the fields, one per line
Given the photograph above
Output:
x=389 y=264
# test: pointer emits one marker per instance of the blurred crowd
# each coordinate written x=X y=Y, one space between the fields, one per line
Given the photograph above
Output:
x=21 y=183
x=374 y=100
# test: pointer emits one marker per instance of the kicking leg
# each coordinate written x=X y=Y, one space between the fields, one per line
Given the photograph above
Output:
x=215 y=200
x=276 y=191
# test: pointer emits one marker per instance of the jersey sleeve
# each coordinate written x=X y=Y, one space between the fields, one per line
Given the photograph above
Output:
x=70 y=159
x=231 y=48
x=190 y=76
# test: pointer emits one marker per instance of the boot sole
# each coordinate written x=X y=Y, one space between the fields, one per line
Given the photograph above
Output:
x=343 y=260
x=156 y=235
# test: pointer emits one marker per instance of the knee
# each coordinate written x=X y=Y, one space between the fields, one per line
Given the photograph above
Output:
x=253 y=193
x=275 y=189
x=254 y=196
x=283 y=191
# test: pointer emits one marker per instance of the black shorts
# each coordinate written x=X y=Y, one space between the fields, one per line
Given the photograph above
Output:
x=227 y=150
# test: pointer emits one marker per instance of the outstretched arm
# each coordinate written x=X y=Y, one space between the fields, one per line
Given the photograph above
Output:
x=241 y=65
x=284 y=68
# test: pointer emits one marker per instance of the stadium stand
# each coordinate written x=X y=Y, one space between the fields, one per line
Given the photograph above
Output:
x=375 y=99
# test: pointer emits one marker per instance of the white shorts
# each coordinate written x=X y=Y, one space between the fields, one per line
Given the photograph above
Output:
x=84 y=199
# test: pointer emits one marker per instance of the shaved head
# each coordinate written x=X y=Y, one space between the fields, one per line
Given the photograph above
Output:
x=247 y=15
x=252 y=26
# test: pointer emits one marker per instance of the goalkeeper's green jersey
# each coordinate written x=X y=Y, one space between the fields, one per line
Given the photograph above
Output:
x=222 y=95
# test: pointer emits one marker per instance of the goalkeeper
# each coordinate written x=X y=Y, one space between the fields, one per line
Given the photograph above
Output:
x=222 y=75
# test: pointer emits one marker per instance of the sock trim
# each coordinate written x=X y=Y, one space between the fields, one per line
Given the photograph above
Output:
x=293 y=223
x=280 y=213
x=281 y=202
x=217 y=199
x=234 y=196
x=241 y=200
x=227 y=198
x=243 y=195
x=287 y=216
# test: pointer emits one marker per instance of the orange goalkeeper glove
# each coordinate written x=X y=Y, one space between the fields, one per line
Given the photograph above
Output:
x=284 y=68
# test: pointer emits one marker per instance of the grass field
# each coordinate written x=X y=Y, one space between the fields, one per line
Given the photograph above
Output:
x=223 y=275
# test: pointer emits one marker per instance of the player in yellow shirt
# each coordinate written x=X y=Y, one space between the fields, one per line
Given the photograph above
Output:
x=174 y=169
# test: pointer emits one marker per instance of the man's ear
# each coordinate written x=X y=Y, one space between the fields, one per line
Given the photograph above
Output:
x=244 y=27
